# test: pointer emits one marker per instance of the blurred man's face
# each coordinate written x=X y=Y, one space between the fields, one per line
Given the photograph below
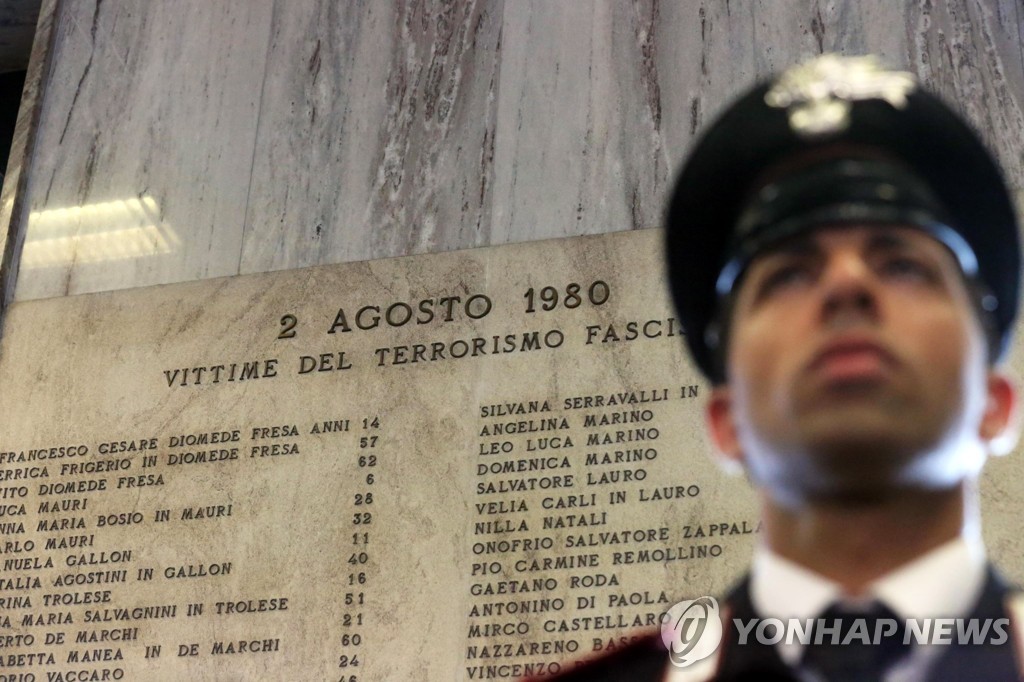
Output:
x=856 y=367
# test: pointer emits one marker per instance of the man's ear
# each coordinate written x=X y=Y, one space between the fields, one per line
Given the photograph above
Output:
x=1000 y=424
x=722 y=427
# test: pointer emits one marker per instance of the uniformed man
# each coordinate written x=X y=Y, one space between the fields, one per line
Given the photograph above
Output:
x=843 y=254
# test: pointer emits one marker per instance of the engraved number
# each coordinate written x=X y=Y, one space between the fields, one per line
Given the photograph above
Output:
x=288 y=323
x=597 y=294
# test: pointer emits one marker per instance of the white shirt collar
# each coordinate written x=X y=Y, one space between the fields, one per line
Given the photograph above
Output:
x=945 y=582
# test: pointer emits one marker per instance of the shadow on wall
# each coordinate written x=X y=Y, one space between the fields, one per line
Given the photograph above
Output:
x=11 y=85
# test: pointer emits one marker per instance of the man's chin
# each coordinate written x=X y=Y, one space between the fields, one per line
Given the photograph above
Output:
x=838 y=487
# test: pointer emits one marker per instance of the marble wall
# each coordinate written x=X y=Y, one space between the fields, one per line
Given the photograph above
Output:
x=192 y=139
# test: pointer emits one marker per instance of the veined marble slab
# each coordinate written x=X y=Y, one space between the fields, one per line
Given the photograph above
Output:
x=15 y=182
x=195 y=140
x=141 y=170
x=390 y=110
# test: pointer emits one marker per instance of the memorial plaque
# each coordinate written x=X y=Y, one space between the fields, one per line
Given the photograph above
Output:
x=476 y=465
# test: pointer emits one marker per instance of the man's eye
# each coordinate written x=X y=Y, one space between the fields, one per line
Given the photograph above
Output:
x=785 y=276
x=904 y=267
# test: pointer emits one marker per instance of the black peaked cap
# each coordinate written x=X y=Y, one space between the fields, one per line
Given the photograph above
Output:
x=728 y=162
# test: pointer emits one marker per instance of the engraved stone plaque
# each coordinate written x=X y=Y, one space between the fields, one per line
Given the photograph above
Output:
x=476 y=465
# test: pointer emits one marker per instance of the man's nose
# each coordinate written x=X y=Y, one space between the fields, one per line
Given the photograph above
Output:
x=849 y=289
